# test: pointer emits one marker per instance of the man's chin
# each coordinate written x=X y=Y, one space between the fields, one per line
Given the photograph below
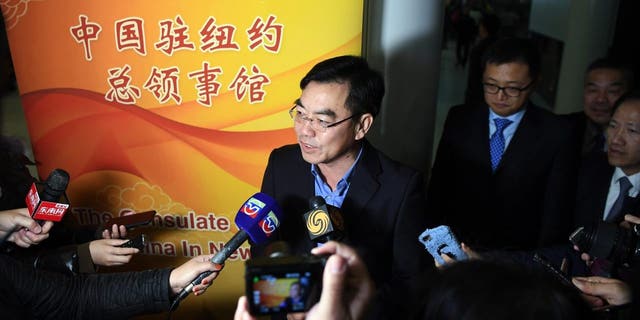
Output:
x=615 y=161
x=310 y=158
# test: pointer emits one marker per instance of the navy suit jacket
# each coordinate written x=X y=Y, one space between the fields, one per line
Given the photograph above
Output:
x=527 y=203
x=384 y=213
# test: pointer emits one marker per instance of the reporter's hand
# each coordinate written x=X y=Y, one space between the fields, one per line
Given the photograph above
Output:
x=116 y=232
x=599 y=290
x=183 y=275
x=106 y=252
x=630 y=220
x=242 y=310
x=17 y=226
x=347 y=287
x=471 y=254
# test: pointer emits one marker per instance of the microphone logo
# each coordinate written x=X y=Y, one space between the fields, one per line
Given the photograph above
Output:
x=252 y=207
x=269 y=224
x=318 y=222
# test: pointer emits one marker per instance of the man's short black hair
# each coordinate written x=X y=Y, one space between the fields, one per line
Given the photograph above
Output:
x=514 y=50
x=610 y=63
x=629 y=96
x=366 y=86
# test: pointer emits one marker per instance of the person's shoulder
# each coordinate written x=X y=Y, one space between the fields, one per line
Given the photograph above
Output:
x=460 y=115
x=460 y=111
x=574 y=116
x=391 y=167
x=462 y=108
x=549 y=118
x=286 y=150
x=558 y=130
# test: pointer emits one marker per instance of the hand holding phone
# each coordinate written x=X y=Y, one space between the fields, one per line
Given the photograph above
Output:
x=441 y=240
x=137 y=242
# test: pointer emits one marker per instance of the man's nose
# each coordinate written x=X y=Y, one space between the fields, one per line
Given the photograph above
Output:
x=602 y=96
x=306 y=127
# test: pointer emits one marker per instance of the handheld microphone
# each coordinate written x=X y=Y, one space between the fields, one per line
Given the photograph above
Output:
x=43 y=200
x=257 y=220
x=324 y=222
x=45 y=205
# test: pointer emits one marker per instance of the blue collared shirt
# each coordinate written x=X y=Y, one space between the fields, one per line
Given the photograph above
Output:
x=508 y=131
x=322 y=189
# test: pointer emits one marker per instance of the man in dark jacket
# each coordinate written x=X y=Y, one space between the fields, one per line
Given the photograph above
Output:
x=381 y=200
x=605 y=81
x=504 y=172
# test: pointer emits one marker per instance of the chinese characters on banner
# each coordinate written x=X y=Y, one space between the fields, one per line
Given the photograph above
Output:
x=175 y=35
x=172 y=106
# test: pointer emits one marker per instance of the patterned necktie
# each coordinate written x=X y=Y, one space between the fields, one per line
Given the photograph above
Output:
x=496 y=143
x=615 y=213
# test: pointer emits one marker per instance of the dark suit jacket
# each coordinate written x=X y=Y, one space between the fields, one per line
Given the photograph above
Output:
x=383 y=212
x=526 y=203
x=592 y=191
x=585 y=132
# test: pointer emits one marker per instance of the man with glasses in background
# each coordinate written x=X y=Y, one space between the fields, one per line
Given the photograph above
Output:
x=380 y=200
x=504 y=173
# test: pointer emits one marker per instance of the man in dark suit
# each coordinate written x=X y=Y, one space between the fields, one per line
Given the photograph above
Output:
x=605 y=81
x=610 y=190
x=381 y=201
x=603 y=176
x=504 y=174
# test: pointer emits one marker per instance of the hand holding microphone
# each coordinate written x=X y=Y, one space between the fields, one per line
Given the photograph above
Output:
x=183 y=275
x=17 y=226
x=42 y=206
x=257 y=219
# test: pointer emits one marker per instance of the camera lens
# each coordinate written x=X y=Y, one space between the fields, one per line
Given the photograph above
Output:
x=605 y=239
x=608 y=241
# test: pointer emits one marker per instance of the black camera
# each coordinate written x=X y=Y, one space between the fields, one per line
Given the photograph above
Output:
x=609 y=241
x=283 y=284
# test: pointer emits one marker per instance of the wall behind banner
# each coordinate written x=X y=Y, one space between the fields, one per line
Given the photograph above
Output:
x=158 y=105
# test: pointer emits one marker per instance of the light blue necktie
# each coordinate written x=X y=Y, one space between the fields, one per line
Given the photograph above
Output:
x=496 y=143
x=615 y=214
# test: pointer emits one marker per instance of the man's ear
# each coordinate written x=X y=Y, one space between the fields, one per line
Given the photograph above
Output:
x=363 y=125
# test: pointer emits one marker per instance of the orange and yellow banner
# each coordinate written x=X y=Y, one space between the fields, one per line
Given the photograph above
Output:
x=171 y=106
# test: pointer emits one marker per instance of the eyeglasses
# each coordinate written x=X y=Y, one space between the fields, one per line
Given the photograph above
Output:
x=316 y=124
x=512 y=92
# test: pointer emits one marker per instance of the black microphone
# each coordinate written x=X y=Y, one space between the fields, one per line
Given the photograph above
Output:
x=257 y=219
x=324 y=222
x=44 y=199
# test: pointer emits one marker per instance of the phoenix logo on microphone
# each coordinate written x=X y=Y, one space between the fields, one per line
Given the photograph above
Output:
x=252 y=207
x=269 y=224
x=317 y=222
